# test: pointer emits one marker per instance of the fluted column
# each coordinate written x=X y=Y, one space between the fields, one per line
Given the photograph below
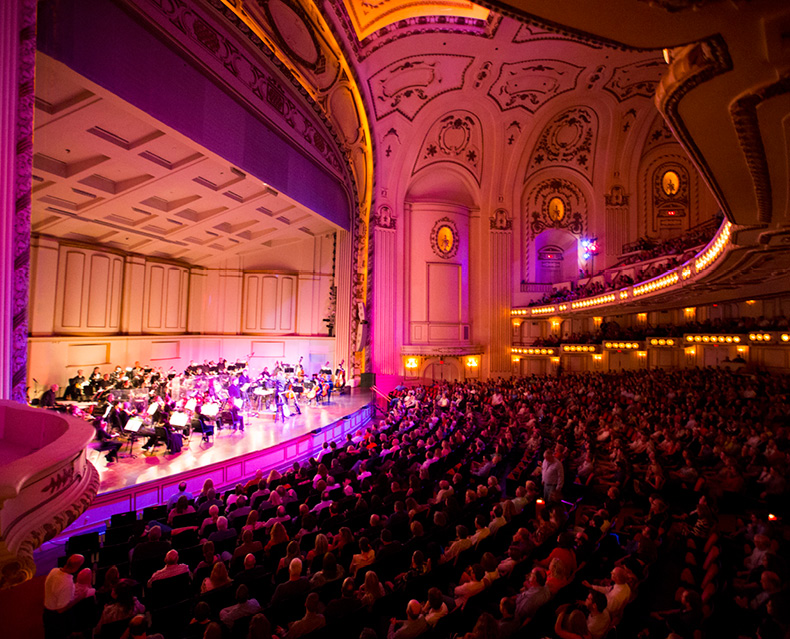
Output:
x=501 y=256
x=344 y=283
x=385 y=279
x=17 y=64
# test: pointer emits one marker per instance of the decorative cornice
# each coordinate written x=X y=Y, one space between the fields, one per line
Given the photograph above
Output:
x=692 y=65
x=747 y=126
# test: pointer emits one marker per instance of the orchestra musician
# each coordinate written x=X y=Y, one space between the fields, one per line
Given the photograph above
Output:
x=340 y=376
x=73 y=392
x=49 y=396
x=280 y=383
x=108 y=443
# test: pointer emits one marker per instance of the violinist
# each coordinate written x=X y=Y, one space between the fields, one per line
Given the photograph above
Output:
x=108 y=442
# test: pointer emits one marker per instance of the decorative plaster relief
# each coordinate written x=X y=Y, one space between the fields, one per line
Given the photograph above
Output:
x=568 y=140
x=369 y=16
x=532 y=83
x=529 y=32
x=185 y=24
x=574 y=215
x=616 y=196
x=408 y=84
x=636 y=79
x=344 y=110
x=445 y=238
x=293 y=29
x=659 y=134
x=385 y=219
x=456 y=137
x=500 y=221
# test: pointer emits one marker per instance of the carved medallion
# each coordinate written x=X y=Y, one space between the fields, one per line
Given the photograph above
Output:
x=444 y=238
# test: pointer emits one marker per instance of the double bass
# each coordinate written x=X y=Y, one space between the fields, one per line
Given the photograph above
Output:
x=340 y=376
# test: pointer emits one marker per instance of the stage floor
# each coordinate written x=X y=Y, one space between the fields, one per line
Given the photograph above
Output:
x=259 y=433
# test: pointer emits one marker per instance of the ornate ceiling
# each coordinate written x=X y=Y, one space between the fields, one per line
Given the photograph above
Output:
x=406 y=86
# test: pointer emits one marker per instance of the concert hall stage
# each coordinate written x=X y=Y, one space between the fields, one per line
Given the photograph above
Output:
x=134 y=483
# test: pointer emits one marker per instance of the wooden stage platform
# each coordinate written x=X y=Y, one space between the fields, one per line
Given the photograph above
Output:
x=134 y=483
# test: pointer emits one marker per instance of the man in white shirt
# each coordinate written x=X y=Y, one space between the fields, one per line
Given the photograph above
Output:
x=552 y=473
x=58 y=593
x=469 y=589
x=617 y=595
x=172 y=568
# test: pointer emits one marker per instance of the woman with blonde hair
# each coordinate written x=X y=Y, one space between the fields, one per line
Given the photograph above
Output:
x=320 y=548
x=371 y=590
x=218 y=578
x=278 y=536
x=203 y=496
x=558 y=576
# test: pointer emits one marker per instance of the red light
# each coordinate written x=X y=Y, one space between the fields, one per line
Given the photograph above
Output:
x=670 y=212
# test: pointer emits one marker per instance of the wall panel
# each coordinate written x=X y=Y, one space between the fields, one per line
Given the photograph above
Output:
x=98 y=291
x=270 y=302
x=166 y=297
x=89 y=288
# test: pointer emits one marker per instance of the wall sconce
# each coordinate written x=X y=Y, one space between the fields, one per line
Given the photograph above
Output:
x=741 y=349
x=691 y=351
x=750 y=302
x=641 y=354
x=555 y=360
x=597 y=358
x=472 y=362
x=641 y=318
x=597 y=321
x=412 y=363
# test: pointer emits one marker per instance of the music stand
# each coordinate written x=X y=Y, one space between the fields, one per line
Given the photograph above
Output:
x=180 y=420
x=133 y=426
x=211 y=411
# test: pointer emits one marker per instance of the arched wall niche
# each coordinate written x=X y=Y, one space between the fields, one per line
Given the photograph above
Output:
x=443 y=183
x=437 y=243
x=559 y=201
x=672 y=198
x=557 y=256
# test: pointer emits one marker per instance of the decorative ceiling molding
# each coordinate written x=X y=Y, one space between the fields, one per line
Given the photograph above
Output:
x=659 y=134
x=263 y=87
x=531 y=84
x=638 y=79
x=533 y=32
x=369 y=16
x=411 y=26
x=456 y=137
x=410 y=83
x=569 y=140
